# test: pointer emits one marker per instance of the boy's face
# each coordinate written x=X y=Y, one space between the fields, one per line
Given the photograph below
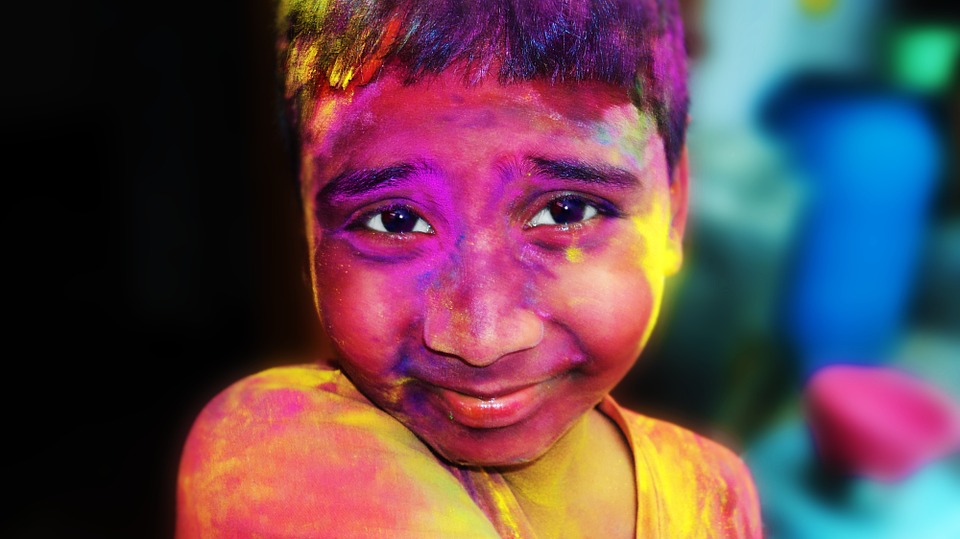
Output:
x=489 y=261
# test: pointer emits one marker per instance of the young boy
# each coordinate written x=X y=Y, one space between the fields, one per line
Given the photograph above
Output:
x=494 y=193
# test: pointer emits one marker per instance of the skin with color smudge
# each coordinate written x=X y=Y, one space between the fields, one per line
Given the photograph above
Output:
x=489 y=261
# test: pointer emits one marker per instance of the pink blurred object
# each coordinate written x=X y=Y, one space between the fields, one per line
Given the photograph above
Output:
x=879 y=422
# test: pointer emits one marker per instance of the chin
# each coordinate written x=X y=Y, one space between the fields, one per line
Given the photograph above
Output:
x=494 y=448
x=488 y=459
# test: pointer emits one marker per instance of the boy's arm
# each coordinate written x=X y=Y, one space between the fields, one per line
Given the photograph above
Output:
x=292 y=453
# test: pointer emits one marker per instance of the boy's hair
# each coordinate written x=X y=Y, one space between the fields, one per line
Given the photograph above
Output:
x=327 y=47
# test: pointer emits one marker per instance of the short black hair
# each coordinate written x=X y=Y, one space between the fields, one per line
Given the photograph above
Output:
x=329 y=46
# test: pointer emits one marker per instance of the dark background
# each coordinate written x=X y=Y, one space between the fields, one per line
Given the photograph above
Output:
x=152 y=249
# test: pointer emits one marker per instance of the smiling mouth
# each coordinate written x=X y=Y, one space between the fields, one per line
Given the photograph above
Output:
x=502 y=410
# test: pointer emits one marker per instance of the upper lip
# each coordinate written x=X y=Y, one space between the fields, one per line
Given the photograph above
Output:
x=484 y=392
x=497 y=380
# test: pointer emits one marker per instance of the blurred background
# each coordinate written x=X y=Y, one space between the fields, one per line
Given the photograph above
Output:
x=155 y=248
x=825 y=204
x=825 y=231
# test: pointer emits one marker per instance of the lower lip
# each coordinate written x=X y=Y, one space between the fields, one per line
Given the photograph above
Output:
x=492 y=413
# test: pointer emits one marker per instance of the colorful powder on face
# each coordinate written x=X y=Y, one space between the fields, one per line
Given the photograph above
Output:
x=641 y=50
x=574 y=254
x=603 y=136
x=654 y=256
x=605 y=260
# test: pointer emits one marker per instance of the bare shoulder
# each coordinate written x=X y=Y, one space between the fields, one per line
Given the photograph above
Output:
x=275 y=400
x=298 y=452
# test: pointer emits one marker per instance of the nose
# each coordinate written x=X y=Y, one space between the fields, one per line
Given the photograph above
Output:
x=477 y=310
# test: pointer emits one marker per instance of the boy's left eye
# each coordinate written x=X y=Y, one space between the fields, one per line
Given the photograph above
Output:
x=565 y=210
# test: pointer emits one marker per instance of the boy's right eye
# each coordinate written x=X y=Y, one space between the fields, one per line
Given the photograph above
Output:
x=398 y=220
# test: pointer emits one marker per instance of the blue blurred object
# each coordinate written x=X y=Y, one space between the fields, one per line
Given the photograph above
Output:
x=872 y=159
x=802 y=501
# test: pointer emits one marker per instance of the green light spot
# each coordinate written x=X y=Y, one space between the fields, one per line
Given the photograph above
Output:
x=924 y=57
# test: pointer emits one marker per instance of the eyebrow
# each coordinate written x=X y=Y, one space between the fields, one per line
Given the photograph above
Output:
x=581 y=171
x=354 y=183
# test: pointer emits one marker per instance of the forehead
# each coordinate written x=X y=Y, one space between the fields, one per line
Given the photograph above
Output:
x=389 y=121
x=446 y=98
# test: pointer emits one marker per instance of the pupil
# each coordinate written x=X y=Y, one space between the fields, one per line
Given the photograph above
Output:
x=398 y=221
x=567 y=210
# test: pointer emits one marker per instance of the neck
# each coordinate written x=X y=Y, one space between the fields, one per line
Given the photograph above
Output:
x=545 y=481
x=589 y=467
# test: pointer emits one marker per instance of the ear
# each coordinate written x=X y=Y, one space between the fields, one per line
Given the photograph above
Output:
x=679 y=186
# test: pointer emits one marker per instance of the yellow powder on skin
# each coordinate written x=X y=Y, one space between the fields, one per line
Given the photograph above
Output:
x=574 y=254
x=654 y=227
x=653 y=255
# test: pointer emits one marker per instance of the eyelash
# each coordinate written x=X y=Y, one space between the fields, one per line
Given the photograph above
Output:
x=363 y=222
x=599 y=208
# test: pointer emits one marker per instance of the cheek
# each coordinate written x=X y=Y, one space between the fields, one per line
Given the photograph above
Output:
x=369 y=309
x=608 y=301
